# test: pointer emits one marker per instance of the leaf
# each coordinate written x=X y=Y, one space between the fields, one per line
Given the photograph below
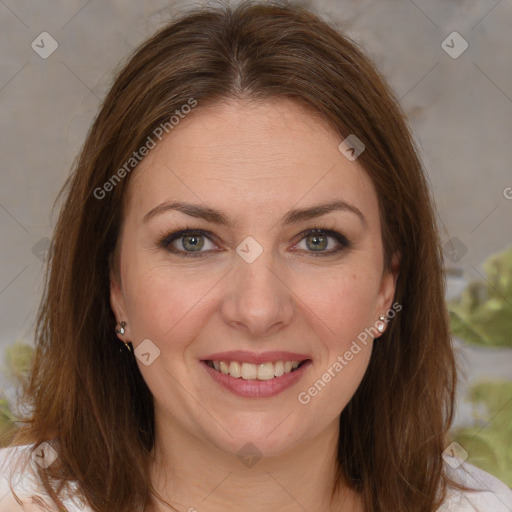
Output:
x=483 y=313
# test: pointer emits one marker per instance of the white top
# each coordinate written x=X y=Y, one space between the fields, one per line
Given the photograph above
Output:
x=493 y=495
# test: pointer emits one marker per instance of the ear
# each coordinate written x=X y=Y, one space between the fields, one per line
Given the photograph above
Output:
x=388 y=287
x=117 y=302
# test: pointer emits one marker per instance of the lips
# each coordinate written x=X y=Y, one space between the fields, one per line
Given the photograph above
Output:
x=253 y=375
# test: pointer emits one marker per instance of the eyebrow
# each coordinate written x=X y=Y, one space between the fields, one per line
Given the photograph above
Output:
x=217 y=217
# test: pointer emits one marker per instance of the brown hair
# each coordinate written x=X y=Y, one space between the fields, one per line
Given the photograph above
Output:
x=90 y=398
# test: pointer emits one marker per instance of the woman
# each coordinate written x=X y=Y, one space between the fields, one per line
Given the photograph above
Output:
x=245 y=302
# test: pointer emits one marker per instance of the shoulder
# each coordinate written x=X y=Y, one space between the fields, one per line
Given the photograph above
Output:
x=18 y=473
x=490 y=493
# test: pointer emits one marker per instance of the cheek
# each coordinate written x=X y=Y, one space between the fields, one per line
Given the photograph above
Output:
x=164 y=303
x=346 y=307
x=344 y=302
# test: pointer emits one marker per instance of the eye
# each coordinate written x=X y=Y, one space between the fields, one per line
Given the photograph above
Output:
x=196 y=242
x=319 y=240
x=188 y=242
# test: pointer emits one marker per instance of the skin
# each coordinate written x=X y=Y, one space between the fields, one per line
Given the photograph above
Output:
x=254 y=161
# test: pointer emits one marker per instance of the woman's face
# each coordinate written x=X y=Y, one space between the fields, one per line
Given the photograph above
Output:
x=251 y=282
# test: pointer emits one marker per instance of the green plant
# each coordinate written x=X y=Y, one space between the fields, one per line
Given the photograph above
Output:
x=489 y=445
x=483 y=313
x=18 y=360
x=483 y=316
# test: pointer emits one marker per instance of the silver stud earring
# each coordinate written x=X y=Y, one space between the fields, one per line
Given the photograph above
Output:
x=381 y=326
x=121 y=329
x=128 y=345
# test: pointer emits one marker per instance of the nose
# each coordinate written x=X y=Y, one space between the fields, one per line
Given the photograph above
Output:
x=258 y=300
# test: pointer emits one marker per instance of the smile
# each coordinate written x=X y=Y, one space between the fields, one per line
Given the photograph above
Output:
x=249 y=371
x=256 y=380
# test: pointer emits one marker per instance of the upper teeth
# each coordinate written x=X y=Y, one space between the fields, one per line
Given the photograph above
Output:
x=249 y=371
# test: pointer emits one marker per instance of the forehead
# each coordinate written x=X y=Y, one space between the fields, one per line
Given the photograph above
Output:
x=263 y=156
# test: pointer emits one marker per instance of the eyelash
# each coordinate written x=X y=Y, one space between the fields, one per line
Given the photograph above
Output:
x=165 y=240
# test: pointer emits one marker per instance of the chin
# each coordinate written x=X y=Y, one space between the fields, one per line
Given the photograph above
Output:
x=265 y=441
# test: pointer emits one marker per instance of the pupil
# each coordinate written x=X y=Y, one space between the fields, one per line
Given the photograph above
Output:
x=195 y=242
x=319 y=242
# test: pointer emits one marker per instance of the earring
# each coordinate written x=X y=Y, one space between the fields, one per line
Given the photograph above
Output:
x=381 y=325
x=127 y=344
x=121 y=329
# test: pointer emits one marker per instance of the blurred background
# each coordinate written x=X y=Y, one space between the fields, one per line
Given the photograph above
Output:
x=449 y=62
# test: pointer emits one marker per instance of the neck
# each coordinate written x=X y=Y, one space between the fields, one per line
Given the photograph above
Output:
x=194 y=475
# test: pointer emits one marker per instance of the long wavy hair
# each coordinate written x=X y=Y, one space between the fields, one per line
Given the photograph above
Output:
x=84 y=393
